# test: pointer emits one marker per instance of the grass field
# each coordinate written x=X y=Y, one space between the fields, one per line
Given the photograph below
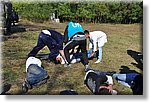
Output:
x=121 y=37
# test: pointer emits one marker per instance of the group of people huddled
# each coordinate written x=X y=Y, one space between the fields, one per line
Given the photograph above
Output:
x=100 y=83
x=74 y=35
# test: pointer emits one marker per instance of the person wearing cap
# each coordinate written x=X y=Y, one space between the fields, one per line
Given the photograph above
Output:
x=99 y=83
x=53 y=40
x=74 y=36
x=96 y=38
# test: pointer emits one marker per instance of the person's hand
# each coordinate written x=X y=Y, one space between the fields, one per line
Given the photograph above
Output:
x=108 y=87
x=92 y=55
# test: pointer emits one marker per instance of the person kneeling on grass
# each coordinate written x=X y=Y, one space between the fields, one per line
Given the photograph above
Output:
x=53 y=40
x=99 y=82
x=96 y=37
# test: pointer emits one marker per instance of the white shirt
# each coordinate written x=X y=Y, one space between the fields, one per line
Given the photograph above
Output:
x=97 y=37
x=33 y=60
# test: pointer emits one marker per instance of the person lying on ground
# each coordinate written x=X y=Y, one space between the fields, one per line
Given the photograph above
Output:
x=99 y=83
x=131 y=80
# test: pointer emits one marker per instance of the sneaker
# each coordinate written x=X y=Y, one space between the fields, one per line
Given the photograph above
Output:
x=114 y=92
x=98 y=61
x=67 y=65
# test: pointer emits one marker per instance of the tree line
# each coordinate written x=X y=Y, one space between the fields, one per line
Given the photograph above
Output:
x=87 y=12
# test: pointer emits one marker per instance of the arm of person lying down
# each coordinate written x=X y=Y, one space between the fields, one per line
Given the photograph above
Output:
x=110 y=84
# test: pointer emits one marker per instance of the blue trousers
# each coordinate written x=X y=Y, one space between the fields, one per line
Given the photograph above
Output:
x=45 y=40
x=125 y=79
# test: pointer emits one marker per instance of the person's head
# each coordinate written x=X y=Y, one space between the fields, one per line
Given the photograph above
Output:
x=58 y=60
x=86 y=32
x=68 y=92
x=104 y=91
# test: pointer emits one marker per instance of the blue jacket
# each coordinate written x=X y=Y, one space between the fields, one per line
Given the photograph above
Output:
x=54 y=42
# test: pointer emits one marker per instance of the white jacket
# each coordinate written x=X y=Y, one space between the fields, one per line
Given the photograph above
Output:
x=97 y=37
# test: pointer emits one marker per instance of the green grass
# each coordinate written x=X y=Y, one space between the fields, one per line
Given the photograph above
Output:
x=121 y=38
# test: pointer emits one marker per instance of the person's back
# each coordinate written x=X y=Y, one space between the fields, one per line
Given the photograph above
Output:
x=33 y=60
x=35 y=74
x=74 y=36
x=53 y=32
x=74 y=28
x=96 y=38
x=97 y=34
x=53 y=40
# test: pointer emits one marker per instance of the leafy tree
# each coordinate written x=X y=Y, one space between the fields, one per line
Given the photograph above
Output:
x=96 y=12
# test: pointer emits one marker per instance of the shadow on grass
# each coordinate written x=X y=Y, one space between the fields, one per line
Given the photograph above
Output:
x=138 y=57
x=125 y=70
x=14 y=29
x=42 y=56
x=17 y=28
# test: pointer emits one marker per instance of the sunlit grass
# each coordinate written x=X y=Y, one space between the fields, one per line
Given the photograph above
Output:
x=120 y=39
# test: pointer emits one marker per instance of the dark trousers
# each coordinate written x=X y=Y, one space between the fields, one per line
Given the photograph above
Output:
x=45 y=40
x=73 y=43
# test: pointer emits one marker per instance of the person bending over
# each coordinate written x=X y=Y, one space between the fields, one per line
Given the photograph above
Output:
x=53 y=40
x=74 y=36
x=96 y=38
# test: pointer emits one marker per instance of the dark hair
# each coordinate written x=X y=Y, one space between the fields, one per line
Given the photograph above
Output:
x=86 y=32
x=57 y=62
x=104 y=91
x=68 y=92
